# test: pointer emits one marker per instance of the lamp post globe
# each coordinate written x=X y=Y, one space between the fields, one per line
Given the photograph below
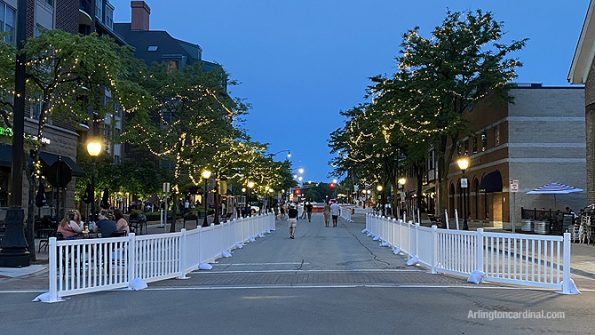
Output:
x=250 y=185
x=206 y=174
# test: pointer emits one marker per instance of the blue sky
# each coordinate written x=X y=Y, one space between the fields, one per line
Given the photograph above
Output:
x=300 y=62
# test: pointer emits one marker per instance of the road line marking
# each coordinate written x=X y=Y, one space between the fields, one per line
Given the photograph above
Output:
x=252 y=264
x=297 y=270
x=405 y=286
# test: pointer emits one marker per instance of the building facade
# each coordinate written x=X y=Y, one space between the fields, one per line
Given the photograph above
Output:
x=537 y=138
x=582 y=71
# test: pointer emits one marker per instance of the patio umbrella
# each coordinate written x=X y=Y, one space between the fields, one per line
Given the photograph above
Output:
x=104 y=199
x=88 y=196
x=40 y=199
x=554 y=189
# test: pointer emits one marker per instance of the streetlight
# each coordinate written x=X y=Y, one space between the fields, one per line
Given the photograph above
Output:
x=206 y=174
x=250 y=185
x=14 y=248
x=286 y=150
x=463 y=164
x=402 y=181
x=380 y=188
x=271 y=191
x=94 y=148
x=301 y=170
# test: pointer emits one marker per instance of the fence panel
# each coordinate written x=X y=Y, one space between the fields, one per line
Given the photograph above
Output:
x=157 y=257
x=523 y=259
x=532 y=260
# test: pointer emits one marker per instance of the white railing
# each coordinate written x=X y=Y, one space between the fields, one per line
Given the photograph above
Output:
x=532 y=260
x=346 y=212
x=92 y=265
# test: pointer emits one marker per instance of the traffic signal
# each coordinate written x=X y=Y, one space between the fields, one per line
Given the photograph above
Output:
x=331 y=185
x=297 y=191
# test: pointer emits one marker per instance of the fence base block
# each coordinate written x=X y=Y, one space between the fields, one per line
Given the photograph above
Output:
x=384 y=244
x=572 y=289
x=226 y=254
x=396 y=250
x=412 y=261
x=45 y=297
x=376 y=238
x=364 y=231
x=476 y=277
x=205 y=266
x=137 y=284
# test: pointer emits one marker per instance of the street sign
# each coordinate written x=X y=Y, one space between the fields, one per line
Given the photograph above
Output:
x=464 y=183
x=166 y=187
x=514 y=185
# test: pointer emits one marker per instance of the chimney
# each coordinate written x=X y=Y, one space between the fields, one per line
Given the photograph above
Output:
x=140 y=15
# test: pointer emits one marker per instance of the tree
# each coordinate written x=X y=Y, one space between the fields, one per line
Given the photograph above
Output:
x=461 y=64
x=183 y=118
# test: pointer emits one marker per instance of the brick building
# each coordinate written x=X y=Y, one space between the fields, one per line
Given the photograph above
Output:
x=582 y=71
x=536 y=139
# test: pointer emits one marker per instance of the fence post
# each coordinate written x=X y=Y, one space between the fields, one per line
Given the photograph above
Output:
x=566 y=275
x=53 y=293
x=434 y=249
x=131 y=257
x=416 y=227
x=479 y=250
x=182 y=264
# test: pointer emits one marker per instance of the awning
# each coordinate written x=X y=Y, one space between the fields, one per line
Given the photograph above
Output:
x=555 y=188
x=5 y=156
x=491 y=182
x=48 y=159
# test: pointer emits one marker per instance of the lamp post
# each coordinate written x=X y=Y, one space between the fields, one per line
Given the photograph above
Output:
x=250 y=185
x=206 y=174
x=94 y=148
x=245 y=201
x=463 y=164
x=380 y=188
x=271 y=191
x=14 y=250
x=286 y=150
x=402 y=181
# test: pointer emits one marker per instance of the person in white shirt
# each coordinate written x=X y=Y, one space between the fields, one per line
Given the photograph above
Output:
x=335 y=212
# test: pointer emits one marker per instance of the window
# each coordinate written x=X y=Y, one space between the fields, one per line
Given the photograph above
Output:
x=36 y=110
x=497 y=135
x=99 y=9
x=7 y=22
x=484 y=140
x=49 y=2
x=109 y=16
x=466 y=147
x=475 y=144
x=39 y=29
x=152 y=48
x=172 y=65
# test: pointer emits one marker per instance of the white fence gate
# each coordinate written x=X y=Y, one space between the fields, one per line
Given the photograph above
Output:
x=531 y=260
x=83 y=266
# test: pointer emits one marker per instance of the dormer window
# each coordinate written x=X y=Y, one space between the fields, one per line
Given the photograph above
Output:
x=152 y=48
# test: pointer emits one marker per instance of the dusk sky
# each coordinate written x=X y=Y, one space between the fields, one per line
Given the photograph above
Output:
x=301 y=62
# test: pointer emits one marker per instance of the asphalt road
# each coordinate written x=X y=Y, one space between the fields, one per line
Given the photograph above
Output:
x=326 y=281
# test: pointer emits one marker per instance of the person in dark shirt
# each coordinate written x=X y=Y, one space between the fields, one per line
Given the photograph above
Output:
x=105 y=226
x=309 y=207
x=292 y=213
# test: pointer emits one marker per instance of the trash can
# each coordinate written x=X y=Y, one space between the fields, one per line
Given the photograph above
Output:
x=527 y=226
x=542 y=227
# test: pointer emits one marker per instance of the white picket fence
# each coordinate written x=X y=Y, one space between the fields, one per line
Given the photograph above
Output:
x=93 y=265
x=531 y=260
x=346 y=212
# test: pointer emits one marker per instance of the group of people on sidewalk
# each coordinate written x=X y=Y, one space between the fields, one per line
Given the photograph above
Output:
x=332 y=210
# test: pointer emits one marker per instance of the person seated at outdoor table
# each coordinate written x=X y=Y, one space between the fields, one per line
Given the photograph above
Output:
x=105 y=226
x=71 y=225
x=121 y=223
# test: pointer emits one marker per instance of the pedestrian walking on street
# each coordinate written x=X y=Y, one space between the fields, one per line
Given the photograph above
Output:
x=327 y=214
x=303 y=216
x=335 y=212
x=282 y=210
x=293 y=215
x=309 y=208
